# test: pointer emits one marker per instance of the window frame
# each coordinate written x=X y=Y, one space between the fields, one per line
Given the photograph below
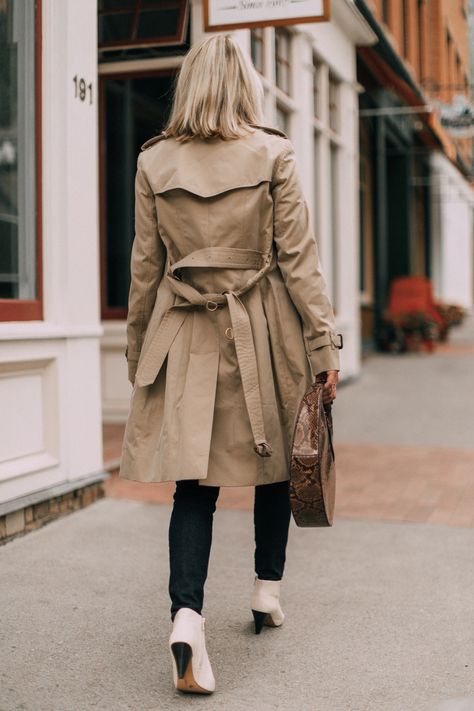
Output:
x=257 y=36
x=136 y=7
x=281 y=61
x=32 y=309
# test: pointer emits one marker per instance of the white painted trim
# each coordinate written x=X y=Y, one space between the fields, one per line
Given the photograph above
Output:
x=40 y=330
x=140 y=65
x=355 y=27
x=12 y=469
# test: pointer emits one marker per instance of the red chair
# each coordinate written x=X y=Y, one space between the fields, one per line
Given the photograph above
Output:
x=414 y=295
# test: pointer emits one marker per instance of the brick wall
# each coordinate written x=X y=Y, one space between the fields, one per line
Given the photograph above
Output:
x=432 y=37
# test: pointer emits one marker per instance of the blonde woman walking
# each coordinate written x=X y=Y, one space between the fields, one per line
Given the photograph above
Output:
x=228 y=322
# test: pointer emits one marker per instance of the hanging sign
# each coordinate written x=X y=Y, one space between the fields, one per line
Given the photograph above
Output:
x=457 y=118
x=236 y=14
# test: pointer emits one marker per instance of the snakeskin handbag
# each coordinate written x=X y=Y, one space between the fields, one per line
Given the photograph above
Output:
x=312 y=466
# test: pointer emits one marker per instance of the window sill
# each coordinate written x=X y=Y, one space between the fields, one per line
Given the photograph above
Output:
x=39 y=330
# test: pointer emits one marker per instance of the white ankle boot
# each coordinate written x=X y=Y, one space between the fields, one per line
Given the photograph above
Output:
x=266 y=607
x=192 y=670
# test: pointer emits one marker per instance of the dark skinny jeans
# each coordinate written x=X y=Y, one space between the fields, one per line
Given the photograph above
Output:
x=190 y=537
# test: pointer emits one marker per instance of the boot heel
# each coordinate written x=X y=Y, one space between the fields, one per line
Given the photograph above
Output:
x=182 y=654
x=259 y=618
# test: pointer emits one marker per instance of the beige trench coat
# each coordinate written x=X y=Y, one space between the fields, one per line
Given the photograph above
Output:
x=228 y=314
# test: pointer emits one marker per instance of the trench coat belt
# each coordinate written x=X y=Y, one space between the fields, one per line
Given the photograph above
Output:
x=219 y=257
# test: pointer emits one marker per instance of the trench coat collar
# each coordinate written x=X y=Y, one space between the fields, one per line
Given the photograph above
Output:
x=163 y=135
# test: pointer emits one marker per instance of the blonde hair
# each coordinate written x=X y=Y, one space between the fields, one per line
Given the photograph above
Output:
x=217 y=93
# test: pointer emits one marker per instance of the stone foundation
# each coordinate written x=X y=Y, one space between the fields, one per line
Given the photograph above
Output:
x=31 y=517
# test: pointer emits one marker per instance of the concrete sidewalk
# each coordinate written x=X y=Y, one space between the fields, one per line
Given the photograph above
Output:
x=379 y=617
x=413 y=399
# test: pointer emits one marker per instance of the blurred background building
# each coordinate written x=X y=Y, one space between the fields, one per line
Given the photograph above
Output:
x=83 y=85
x=416 y=192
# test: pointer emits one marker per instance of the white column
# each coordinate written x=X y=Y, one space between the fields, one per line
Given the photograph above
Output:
x=348 y=247
x=53 y=365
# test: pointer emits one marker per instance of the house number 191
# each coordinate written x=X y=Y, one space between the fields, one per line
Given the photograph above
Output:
x=82 y=89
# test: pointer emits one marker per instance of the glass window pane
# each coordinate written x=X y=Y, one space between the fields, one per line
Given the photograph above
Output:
x=116 y=5
x=256 y=48
x=282 y=119
x=158 y=23
x=334 y=104
x=115 y=27
x=316 y=88
x=17 y=151
x=135 y=110
x=282 y=59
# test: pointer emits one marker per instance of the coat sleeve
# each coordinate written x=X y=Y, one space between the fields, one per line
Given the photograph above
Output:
x=147 y=263
x=299 y=262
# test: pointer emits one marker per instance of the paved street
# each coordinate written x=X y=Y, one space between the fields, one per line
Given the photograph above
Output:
x=379 y=607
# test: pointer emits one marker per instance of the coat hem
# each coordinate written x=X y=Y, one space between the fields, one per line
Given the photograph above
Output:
x=203 y=482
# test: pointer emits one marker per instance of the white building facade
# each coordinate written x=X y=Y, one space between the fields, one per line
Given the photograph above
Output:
x=63 y=299
x=453 y=233
x=50 y=330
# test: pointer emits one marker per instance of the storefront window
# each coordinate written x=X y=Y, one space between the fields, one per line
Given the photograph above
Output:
x=257 y=48
x=282 y=59
x=282 y=119
x=334 y=112
x=133 y=109
x=316 y=88
x=18 y=145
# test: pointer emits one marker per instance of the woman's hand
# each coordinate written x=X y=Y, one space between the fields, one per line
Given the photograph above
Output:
x=329 y=388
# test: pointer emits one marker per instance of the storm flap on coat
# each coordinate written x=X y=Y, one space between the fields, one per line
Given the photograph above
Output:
x=218 y=371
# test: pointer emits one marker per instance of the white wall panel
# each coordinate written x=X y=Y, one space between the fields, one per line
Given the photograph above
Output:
x=21 y=422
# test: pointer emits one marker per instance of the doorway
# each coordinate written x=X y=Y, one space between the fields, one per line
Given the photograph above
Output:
x=132 y=109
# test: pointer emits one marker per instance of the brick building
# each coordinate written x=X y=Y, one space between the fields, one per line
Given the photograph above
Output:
x=432 y=38
x=416 y=201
